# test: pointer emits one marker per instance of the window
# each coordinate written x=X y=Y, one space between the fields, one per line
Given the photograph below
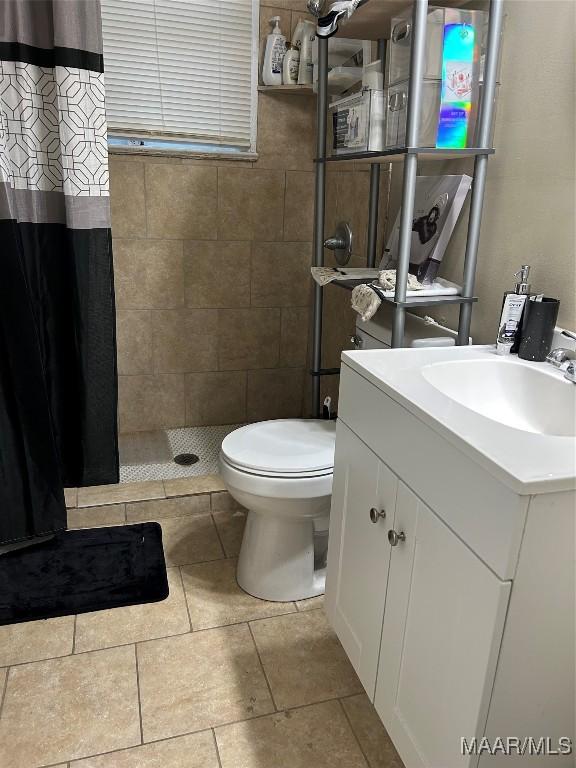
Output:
x=181 y=74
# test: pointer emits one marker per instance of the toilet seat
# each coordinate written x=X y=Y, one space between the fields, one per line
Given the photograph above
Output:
x=282 y=448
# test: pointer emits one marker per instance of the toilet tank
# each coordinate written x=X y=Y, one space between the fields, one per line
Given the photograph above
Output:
x=419 y=332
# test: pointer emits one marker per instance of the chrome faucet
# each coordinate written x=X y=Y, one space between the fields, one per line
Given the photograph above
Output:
x=565 y=360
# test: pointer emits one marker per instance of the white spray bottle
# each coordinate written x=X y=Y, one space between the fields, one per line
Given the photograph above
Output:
x=275 y=50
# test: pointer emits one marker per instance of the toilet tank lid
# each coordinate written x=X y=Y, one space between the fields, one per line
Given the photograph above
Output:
x=283 y=446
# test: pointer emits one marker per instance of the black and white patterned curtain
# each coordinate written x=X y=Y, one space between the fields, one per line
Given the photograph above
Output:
x=58 y=386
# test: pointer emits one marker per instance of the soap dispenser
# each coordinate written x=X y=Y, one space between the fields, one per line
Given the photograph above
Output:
x=275 y=50
x=510 y=326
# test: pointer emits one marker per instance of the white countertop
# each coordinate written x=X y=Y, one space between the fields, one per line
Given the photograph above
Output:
x=527 y=462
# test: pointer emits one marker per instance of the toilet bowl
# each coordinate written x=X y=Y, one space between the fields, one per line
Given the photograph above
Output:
x=281 y=471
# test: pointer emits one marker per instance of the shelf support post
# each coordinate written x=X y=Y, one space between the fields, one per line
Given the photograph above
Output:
x=319 y=210
x=374 y=204
x=480 y=166
x=417 y=53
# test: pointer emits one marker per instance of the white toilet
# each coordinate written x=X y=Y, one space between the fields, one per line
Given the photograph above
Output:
x=281 y=471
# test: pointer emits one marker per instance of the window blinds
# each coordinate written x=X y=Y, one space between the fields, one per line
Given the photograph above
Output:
x=181 y=69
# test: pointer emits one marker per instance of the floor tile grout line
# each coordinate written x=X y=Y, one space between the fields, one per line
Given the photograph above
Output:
x=217 y=531
x=212 y=728
x=262 y=667
x=4 y=691
x=356 y=739
x=167 y=637
x=74 y=635
x=216 y=747
x=75 y=654
x=185 y=599
x=139 y=695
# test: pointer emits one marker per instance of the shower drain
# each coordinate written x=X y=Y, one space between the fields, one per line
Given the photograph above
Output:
x=185 y=459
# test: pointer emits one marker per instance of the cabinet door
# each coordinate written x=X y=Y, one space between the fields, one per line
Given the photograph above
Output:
x=443 y=625
x=358 y=552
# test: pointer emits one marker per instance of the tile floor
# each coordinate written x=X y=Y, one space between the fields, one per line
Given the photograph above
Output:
x=209 y=678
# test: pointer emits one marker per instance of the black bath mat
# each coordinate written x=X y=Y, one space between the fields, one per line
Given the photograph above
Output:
x=84 y=570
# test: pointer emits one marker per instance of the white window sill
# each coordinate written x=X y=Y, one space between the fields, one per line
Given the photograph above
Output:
x=116 y=146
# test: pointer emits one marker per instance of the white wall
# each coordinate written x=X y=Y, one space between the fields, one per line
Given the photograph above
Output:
x=529 y=209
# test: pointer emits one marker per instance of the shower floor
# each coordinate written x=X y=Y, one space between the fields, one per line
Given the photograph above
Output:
x=150 y=455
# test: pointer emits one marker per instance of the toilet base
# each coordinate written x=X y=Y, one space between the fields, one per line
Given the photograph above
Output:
x=276 y=560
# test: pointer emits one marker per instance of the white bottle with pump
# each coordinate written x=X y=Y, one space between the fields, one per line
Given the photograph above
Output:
x=275 y=50
x=510 y=326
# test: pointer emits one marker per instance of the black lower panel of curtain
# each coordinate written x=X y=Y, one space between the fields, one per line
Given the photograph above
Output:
x=70 y=279
x=58 y=382
x=80 y=571
x=31 y=495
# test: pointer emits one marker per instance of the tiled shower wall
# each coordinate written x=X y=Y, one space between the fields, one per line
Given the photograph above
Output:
x=212 y=261
x=212 y=276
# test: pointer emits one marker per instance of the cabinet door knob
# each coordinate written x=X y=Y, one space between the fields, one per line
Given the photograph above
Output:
x=376 y=515
x=394 y=537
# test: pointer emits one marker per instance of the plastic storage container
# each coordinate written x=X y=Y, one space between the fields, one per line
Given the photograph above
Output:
x=398 y=50
x=356 y=123
x=396 y=110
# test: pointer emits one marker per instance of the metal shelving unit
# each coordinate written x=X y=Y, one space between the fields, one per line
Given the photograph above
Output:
x=371 y=21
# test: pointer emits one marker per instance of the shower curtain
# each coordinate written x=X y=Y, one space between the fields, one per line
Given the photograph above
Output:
x=58 y=384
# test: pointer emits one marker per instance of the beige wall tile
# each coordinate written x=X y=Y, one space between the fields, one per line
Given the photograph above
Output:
x=148 y=274
x=190 y=539
x=92 y=517
x=215 y=398
x=127 y=202
x=250 y=204
x=299 y=206
x=182 y=690
x=217 y=274
x=294 y=5
x=215 y=599
x=317 y=736
x=370 y=732
x=134 y=623
x=62 y=709
x=353 y=190
x=248 y=338
x=134 y=339
x=286 y=132
x=151 y=402
x=181 y=201
x=275 y=394
x=303 y=659
x=230 y=527
x=151 y=447
x=294 y=335
x=182 y=486
x=159 y=509
x=36 y=640
x=95 y=495
x=281 y=274
x=196 y=750
x=185 y=340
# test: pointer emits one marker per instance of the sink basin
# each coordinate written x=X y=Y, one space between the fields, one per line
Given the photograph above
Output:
x=520 y=396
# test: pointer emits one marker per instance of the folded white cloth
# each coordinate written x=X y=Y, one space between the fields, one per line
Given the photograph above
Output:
x=325 y=275
x=365 y=300
x=387 y=279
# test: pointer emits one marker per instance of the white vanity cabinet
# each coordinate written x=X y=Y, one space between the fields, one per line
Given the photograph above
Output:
x=420 y=618
x=449 y=590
